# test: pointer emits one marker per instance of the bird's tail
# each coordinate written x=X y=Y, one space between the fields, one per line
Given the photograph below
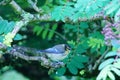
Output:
x=40 y=51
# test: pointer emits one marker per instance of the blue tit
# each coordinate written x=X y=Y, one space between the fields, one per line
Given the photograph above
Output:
x=58 y=52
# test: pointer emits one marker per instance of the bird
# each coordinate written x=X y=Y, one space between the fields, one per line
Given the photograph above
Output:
x=57 y=52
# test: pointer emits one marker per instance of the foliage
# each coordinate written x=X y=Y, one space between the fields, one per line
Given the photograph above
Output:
x=89 y=9
x=5 y=28
x=95 y=41
x=47 y=32
x=12 y=75
x=110 y=65
x=89 y=27
x=7 y=72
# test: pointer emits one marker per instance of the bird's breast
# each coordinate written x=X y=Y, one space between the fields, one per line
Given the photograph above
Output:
x=56 y=57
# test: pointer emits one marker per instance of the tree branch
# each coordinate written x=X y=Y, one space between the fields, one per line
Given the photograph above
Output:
x=47 y=17
x=21 y=52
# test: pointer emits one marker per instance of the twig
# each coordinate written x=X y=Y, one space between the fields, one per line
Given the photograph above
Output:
x=4 y=2
x=19 y=24
x=16 y=7
x=100 y=59
x=34 y=5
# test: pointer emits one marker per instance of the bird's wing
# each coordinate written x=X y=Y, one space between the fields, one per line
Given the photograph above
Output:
x=53 y=50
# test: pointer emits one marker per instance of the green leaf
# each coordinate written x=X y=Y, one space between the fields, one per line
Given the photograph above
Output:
x=92 y=50
x=61 y=12
x=102 y=49
x=103 y=73
x=56 y=14
x=105 y=63
x=84 y=25
x=44 y=34
x=115 y=43
x=38 y=30
x=6 y=26
x=94 y=6
x=118 y=60
x=95 y=42
x=68 y=11
x=72 y=68
x=76 y=16
x=84 y=44
x=115 y=70
x=77 y=58
x=109 y=6
x=77 y=64
x=51 y=33
x=80 y=49
x=61 y=71
x=18 y=37
x=81 y=58
x=117 y=64
x=110 y=54
x=117 y=18
x=1 y=38
x=9 y=27
x=12 y=75
x=112 y=9
x=111 y=76
x=3 y=24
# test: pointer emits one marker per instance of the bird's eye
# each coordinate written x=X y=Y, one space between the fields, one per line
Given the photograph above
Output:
x=67 y=47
